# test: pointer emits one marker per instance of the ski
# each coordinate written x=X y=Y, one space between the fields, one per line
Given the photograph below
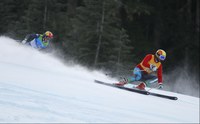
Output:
x=124 y=88
x=163 y=96
x=137 y=90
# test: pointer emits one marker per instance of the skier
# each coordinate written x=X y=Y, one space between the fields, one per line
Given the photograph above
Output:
x=142 y=72
x=38 y=41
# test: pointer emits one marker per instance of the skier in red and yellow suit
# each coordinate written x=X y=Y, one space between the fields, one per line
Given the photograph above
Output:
x=142 y=72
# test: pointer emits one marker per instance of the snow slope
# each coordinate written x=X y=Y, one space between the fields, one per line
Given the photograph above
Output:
x=37 y=87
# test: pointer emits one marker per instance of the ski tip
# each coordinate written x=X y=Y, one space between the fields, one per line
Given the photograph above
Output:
x=175 y=98
x=148 y=93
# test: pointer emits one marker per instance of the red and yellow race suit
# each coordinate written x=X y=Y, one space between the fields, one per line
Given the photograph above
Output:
x=145 y=65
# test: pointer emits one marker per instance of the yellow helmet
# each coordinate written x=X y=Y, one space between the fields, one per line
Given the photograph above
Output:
x=48 y=34
x=161 y=54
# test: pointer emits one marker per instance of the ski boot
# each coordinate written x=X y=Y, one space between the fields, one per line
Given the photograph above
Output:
x=141 y=86
x=122 y=83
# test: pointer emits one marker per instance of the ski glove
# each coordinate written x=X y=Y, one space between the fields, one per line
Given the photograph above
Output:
x=24 y=41
x=153 y=67
x=160 y=86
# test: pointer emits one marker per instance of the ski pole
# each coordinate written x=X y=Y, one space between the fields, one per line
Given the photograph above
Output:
x=153 y=88
x=123 y=71
x=149 y=89
x=115 y=72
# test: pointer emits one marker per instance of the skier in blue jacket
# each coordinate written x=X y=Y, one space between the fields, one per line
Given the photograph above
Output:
x=38 y=41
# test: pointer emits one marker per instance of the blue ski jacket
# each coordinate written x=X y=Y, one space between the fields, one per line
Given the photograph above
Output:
x=37 y=41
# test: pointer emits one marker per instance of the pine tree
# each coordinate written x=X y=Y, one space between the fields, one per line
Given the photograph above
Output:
x=97 y=35
x=11 y=12
x=35 y=16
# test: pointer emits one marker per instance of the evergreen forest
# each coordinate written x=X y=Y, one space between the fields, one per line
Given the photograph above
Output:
x=112 y=35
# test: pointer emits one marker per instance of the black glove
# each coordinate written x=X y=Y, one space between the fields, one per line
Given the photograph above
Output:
x=153 y=67
x=24 y=41
x=160 y=86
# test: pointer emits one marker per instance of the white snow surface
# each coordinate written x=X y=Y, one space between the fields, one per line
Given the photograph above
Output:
x=38 y=87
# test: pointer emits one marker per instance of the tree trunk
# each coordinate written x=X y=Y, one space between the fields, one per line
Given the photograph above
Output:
x=157 y=26
x=45 y=16
x=71 y=7
x=157 y=33
x=119 y=54
x=100 y=35
x=189 y=14
x=197 y=17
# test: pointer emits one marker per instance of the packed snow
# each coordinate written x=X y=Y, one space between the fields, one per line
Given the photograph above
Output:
x=38 y=87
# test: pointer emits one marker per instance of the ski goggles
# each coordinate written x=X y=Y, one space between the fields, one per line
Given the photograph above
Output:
x=46 y=39
x=161 y=57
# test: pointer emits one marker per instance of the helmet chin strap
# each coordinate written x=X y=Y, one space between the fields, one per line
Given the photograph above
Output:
x=157 y=59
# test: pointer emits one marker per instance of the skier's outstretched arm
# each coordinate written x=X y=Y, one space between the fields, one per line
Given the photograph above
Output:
x=29 y=37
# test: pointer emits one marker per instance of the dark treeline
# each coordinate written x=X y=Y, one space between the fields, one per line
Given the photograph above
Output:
x=110 y=34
